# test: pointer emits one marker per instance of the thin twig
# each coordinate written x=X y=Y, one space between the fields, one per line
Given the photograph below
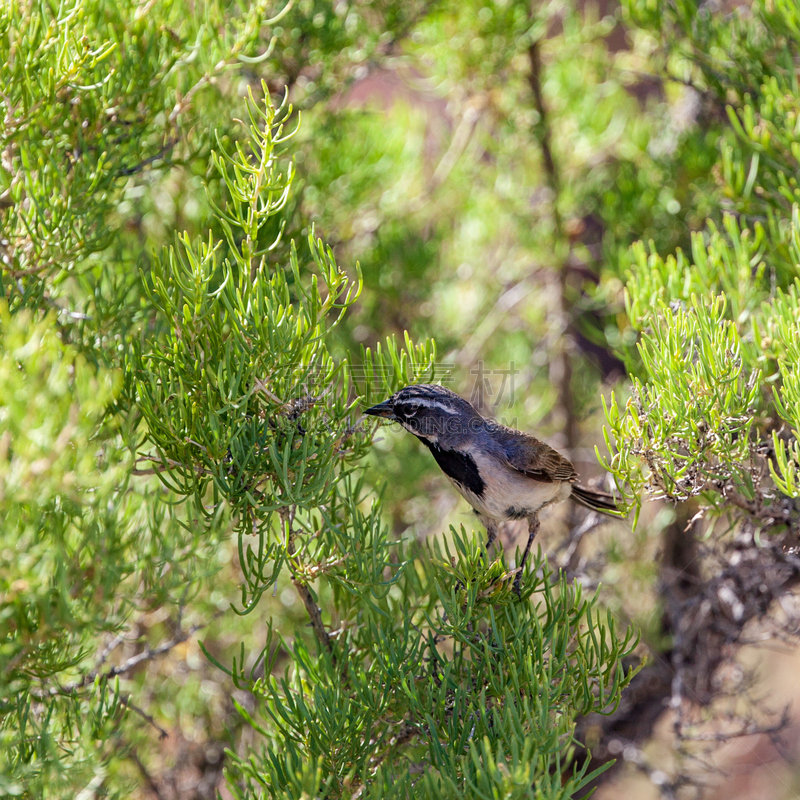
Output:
x=167 y=148
x=458 y=145
x=749 y=729
x=312 y=608
x=126 y=701
x=147 y=655
x=149 y=780
x=162 y=466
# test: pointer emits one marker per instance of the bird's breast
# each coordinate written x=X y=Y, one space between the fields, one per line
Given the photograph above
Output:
x=510 y=494
x=492 y=487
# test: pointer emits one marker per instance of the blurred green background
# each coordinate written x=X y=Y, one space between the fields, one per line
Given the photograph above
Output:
x=488 y=165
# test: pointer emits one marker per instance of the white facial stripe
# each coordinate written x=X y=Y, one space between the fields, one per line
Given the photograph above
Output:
x=429 y=402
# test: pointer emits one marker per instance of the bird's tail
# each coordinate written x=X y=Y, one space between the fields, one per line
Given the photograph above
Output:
x=597 y=501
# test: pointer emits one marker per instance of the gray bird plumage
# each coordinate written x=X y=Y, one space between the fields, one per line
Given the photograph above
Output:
x=501 y=472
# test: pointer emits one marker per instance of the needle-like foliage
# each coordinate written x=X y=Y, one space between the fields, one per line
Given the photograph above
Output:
x=714 y=409
x=170 y=413
x=434 y=659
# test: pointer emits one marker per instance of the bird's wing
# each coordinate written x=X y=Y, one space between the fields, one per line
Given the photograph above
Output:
x=534 y=458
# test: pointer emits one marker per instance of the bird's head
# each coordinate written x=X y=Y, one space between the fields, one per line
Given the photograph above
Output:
x=432 y=413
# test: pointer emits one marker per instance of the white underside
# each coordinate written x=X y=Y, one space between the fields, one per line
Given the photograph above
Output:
x=509 y=488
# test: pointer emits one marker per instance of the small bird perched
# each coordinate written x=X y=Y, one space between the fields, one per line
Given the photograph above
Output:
x=501 y=472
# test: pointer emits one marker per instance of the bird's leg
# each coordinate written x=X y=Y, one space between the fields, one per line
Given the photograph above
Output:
x=533 y=529
x=491 y=529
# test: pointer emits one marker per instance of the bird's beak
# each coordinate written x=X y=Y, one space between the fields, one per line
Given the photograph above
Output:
x=384 y=409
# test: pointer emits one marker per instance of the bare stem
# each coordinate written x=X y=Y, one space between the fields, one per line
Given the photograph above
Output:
x=126 y=701
x=560 y=361
x=148 y=654
x=314 y=613
x=312 y=608
x=145 y=773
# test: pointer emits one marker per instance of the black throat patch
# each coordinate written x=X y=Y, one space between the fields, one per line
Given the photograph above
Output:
x=460 y=467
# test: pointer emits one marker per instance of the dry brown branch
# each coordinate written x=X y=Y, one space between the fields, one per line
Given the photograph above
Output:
x=126 y=701
x=145 y=773
x=560 y=360
x=148 y=654
x=314 y=612
x=163 y=151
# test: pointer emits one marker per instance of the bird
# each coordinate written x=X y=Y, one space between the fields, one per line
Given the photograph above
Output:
x=503 y=473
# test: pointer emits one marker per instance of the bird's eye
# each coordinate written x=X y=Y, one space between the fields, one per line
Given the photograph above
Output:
x=407 y=411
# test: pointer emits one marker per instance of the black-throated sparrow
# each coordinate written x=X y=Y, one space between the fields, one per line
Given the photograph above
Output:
x=501 y=472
